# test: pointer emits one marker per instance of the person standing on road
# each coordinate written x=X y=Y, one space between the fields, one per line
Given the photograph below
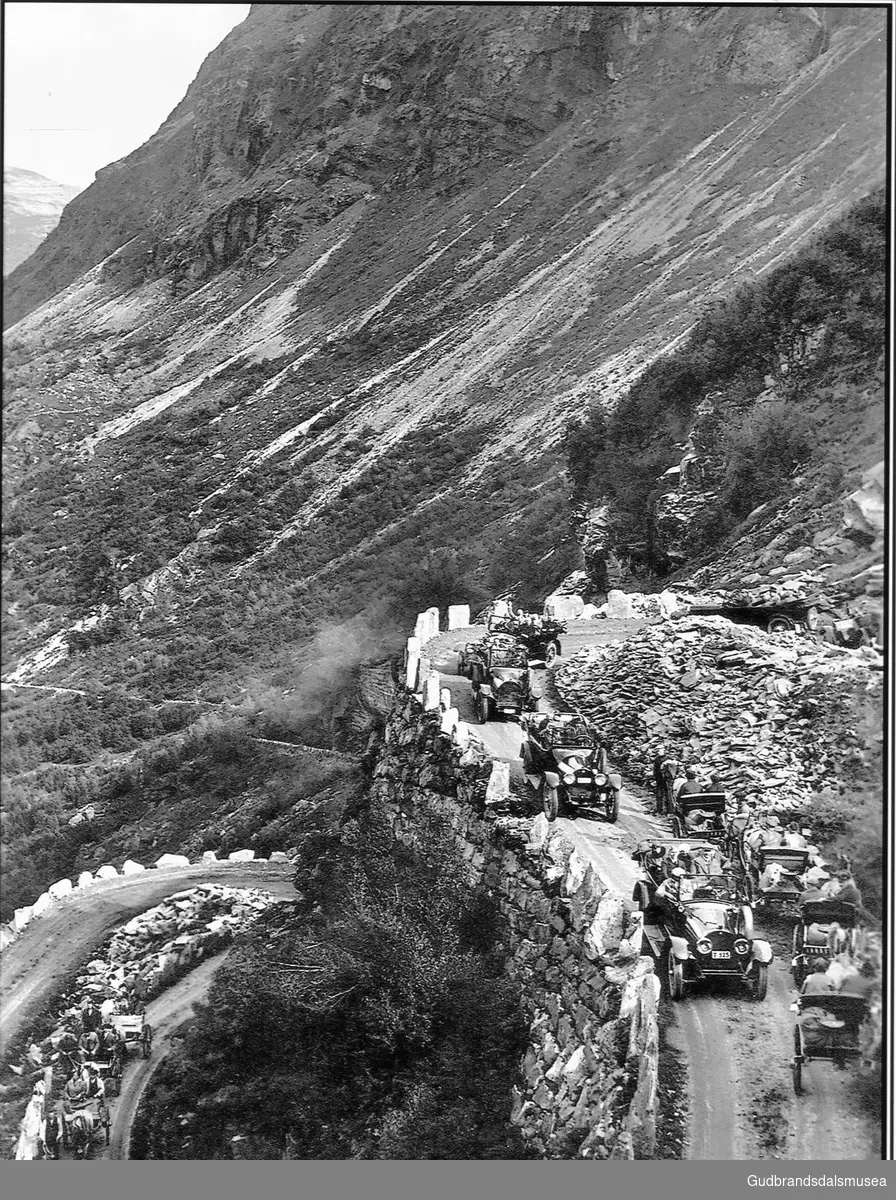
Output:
x=659 y=782
x=91 y=1018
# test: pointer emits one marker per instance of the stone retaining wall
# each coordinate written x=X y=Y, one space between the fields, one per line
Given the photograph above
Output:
x=588 y=1082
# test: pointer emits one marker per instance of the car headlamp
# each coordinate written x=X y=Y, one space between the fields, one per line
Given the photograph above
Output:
x=742 y=946
x=704 y=946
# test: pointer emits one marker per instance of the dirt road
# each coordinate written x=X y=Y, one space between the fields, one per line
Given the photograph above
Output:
x=741 y=1100
x=48 y=950
x=167 y=1015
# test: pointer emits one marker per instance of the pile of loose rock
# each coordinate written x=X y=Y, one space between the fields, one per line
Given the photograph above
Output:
x=159 y=943
x=728 y=697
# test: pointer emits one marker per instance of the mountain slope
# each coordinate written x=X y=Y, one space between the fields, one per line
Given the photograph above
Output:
x=472 y=255
x=32 y=206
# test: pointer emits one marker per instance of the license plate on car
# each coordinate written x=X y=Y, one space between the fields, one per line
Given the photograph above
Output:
x=721 y=953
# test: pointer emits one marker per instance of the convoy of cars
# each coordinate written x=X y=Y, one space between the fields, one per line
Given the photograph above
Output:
x=699 y=888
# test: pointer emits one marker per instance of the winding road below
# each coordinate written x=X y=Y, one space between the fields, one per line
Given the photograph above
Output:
x=37 y=964
x=167 y=1014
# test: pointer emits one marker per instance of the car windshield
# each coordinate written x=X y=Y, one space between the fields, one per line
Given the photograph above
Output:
x=573 y=733
x=710 y=916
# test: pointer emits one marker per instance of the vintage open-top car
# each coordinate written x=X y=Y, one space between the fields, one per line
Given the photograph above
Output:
x=828 y=1029
x=658 y=856
x=774 y=877
x=471 y=660
x=539 y=635
x=702 y=929
x=824 y=929
x=567 y=757
x=501 y=683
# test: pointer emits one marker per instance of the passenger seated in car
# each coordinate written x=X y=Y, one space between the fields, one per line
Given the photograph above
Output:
x=819 y=982
x=820 y=1029
x=771 y=877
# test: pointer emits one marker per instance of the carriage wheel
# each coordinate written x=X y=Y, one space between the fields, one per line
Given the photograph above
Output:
x=797 y=1062
x=147 y=1040
x=799 y=939
x=749 y=889
x=613 y=806
x=551 y=653
x=677 y=828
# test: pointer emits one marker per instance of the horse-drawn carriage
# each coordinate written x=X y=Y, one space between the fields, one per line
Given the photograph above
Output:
x=75 y=1128
x=774 y=877
x=701 y=814
x=828 y=1029
x=133 y=1031
x=824 y=929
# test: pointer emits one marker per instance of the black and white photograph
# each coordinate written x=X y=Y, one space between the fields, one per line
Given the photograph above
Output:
x=445 y=591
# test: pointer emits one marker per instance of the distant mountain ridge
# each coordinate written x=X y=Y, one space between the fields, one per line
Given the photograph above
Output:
x=32 y=206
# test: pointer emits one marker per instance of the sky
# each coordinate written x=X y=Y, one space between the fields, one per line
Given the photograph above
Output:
x=85 y=84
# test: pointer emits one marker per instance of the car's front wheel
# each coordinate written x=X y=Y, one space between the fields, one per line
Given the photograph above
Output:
x=675 y=972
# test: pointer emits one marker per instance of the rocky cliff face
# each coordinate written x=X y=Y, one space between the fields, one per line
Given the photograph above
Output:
x=305 y=108
x=390 y=250
x=32 y=206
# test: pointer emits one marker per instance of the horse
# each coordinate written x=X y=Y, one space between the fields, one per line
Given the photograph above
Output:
x=80 y=1132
